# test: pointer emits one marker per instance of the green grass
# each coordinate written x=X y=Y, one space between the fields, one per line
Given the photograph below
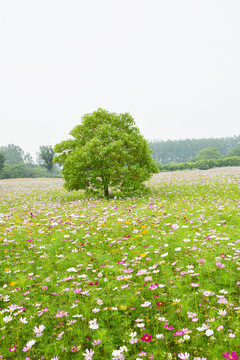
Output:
x=67 y=259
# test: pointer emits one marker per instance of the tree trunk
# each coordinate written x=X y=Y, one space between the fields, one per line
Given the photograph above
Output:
x=106 y=193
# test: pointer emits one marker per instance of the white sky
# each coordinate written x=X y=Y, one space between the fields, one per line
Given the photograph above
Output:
x=174 y=65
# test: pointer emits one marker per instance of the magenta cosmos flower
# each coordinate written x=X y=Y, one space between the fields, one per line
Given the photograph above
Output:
x=232 y=356
x=146 y=338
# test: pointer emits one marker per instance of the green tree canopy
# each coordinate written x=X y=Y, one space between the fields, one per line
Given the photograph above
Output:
x=234 y=152
x=106 y=151
x=13 y=154
x=45 y=156
x=2 y=159
x=207 y=154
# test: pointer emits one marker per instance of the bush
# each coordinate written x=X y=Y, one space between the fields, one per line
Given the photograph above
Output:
x=202 y=164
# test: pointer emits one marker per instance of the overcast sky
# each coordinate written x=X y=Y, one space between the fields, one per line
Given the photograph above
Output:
x=174 y=65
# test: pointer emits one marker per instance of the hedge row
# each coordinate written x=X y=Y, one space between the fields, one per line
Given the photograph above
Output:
x=202 y=164
x=26 y=171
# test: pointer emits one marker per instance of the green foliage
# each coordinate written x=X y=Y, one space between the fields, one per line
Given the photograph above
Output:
x=26 y=171
x=13 y=154
x=2 y=159
x=202 y=164
x=207 y=154
x=234 y=152
x=179 y=151
x=28 y=159
x=45 y=157
x=107 y=151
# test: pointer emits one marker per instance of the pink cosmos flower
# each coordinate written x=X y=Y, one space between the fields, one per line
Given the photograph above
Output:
x=220 y=265
x=232 y=356
x=13 y=348
x=179 y=333
x=194 y=284
x=153 y=286
x=44 y=287
x=146 y=338
x=96 y=342
x=77 y=290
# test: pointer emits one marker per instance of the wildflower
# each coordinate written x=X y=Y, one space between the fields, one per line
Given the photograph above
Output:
x=133 y=341
x=232 y=356
x=148 y=278
x=222 y=312
x=146 y=303
x=38 y=331
x=44 y=287
x=218 y=264
x=132 y=335
x=142 y=353
x=75 y=349
x=179 y=333
x=220 y=327
x=160 y=303
x=96 y=342
x=146 y=338
x=116 y=353
x=55 y=358
x=88 y=354
x=153 y=287
x=209 y=332
x=95 y=310
x=194 y=284
x=159 y=336
x=7 y=318
x=183 y=356
x=93 y=324
x=13 y=348
x=123 y=348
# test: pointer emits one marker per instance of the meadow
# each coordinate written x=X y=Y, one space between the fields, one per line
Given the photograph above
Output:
x=151 y=277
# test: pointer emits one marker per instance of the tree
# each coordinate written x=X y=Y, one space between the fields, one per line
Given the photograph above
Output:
x=2 y=159
x=106 y=151
x=28 y=159
x=13 y=154
x=234 y=152
x=207 y=154
x=45 y=157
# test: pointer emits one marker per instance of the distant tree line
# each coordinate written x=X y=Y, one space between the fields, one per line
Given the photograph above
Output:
x=15 y=163
x=179 y=151
x=207 y=158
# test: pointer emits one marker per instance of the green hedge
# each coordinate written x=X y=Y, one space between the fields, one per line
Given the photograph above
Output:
x=202 y=164
x=26 y=171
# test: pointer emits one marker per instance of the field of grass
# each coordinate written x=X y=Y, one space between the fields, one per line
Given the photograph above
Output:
x=152 y=277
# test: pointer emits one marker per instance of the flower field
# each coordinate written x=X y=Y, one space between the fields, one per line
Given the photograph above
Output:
x=152 y=277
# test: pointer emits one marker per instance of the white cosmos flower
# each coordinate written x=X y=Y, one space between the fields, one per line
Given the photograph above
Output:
x=30 y=343
x=184 y=356
x=209 y=332
x=222 y=312
x=23 y=320
x=7 y=318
